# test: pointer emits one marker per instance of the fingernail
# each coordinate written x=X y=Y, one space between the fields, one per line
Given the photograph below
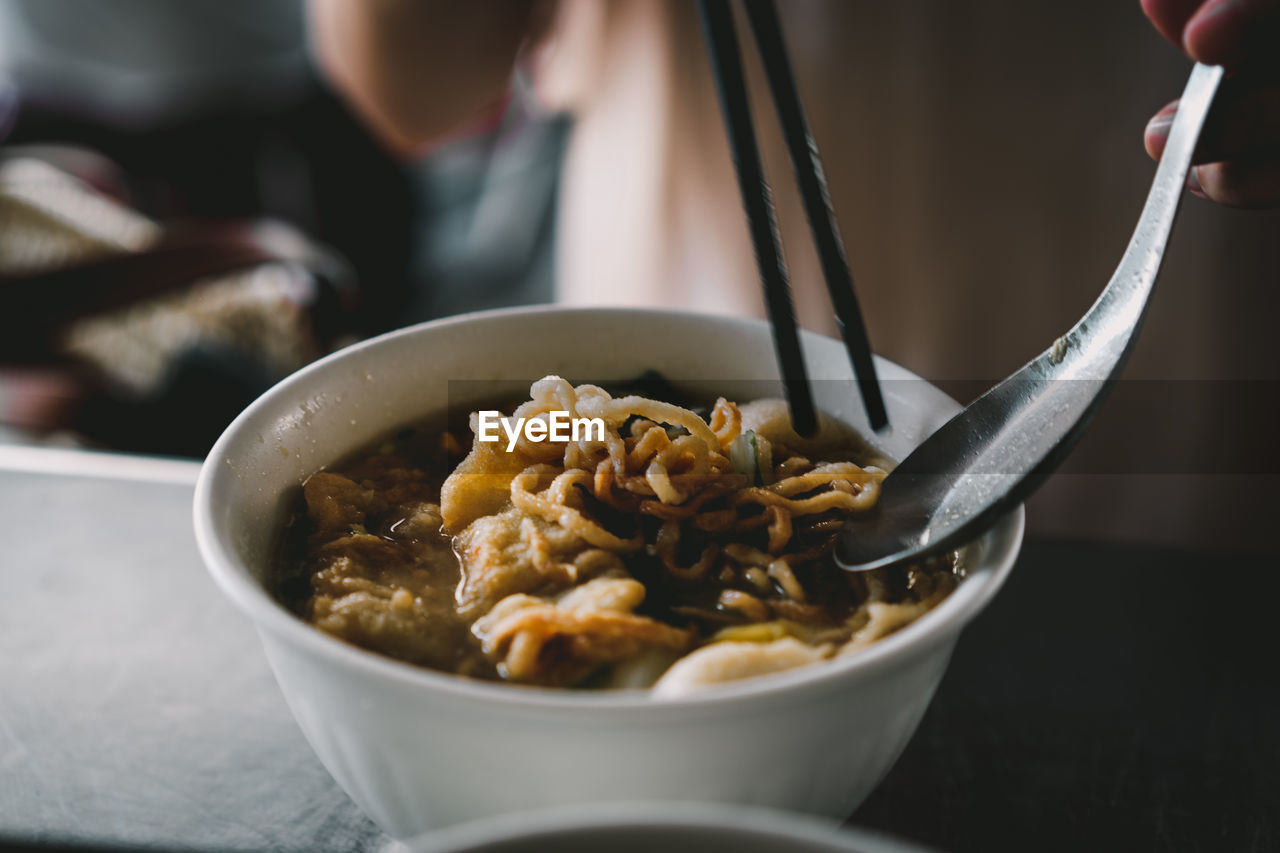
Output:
x=1156 y=133
x=1193 y=183
x=1160 y=124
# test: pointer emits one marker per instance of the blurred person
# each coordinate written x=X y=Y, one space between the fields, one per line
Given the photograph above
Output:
x=210 y=110
x=981 y=158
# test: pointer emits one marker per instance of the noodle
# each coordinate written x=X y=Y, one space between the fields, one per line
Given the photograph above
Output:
x=669 y=535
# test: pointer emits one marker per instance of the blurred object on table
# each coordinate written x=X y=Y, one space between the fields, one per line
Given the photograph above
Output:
x=145 y=338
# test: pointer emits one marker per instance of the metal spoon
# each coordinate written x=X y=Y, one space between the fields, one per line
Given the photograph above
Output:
x=995 y=453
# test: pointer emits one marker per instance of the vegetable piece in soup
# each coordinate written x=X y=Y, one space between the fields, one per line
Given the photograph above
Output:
x=660 y=548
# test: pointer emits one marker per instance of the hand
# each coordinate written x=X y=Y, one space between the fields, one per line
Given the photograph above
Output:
x=1238 y=158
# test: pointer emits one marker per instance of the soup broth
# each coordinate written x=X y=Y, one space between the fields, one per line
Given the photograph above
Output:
x=682 y=547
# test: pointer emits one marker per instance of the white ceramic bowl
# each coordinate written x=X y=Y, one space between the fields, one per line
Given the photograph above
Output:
x=418 y=749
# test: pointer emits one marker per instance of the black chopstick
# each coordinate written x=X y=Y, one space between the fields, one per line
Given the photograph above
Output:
x=726 y=68
x=767 y=29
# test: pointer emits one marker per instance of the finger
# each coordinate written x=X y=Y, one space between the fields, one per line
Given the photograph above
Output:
x=1170 y=17
x=1251 y=182
x=1244 y=120
x=1234 y=33
x=40 y=398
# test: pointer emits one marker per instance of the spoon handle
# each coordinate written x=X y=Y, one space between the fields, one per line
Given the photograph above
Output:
x=994 y=454
x=1105 y=335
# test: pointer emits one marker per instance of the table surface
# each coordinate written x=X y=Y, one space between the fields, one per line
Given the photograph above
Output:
x=1110 y=698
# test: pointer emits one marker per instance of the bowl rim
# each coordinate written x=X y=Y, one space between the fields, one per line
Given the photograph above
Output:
x=268 y=615
x=553 y=823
